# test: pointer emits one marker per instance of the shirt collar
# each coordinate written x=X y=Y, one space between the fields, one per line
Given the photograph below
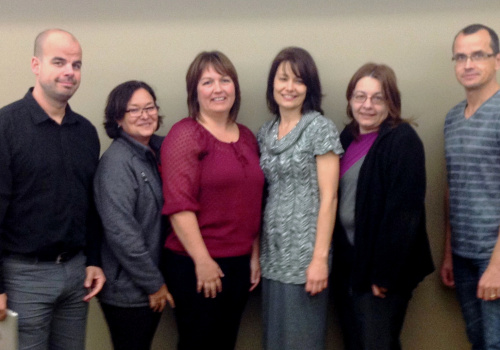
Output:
x=39 y=116
x=154 y=144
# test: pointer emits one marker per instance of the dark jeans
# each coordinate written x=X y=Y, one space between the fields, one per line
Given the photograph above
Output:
x=206 y=323
x=482 y=318
x=131 y=328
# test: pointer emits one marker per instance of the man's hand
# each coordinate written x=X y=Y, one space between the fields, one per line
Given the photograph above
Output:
x=3 y=306
x=447 y=271
x=489 y=284
x=94 y=280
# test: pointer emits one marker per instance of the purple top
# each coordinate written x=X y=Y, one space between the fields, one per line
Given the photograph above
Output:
x=356 y=150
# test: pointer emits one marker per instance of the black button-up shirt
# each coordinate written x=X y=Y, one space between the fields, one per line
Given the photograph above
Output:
x=46 y=174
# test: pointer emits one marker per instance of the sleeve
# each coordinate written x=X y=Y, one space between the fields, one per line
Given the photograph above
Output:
x=404 y=212
x=5 y=186
x=325 y=137
x=115 y=189
x=181 y=154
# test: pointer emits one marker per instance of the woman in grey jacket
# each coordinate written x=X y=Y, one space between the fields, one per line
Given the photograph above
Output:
x=128 y=196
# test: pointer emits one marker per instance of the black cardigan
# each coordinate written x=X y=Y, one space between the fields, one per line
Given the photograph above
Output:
x=391 y=248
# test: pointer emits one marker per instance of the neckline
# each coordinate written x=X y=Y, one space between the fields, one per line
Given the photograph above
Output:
x=205 y=130
x=278 y=146
x=280 y=121
x=479 y=108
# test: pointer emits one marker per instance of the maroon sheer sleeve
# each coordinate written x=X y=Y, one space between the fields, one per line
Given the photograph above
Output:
x=181 y=152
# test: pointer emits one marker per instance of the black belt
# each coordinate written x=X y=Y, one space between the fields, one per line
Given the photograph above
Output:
x=56 y=258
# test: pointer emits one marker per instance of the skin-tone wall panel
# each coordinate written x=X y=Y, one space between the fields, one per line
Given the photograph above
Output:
x=155 y=42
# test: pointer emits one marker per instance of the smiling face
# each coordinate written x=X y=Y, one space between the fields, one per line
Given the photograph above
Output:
x=478 y=74
x=289 y=91
x=58 y=67
x=140 y=127
x=216 y=93
x=374 y=110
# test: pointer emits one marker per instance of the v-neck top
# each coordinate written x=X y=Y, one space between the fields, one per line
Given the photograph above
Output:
x=472 y=148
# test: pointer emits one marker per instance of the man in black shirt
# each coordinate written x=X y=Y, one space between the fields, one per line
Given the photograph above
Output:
x=49 y=229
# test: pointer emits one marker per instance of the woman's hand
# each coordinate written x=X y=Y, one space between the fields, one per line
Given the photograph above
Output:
x=159 y=299
x=255 y=265
x=208 y=275
x=254 y=272
x=208 y=272
x=316 y=276
x=379 y=292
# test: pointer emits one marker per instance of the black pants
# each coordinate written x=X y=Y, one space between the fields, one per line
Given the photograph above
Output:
x=372 y=323
x=206 y=323
x=367 y=322
x=131 y=328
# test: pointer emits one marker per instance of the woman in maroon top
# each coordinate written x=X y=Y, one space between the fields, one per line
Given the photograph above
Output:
x=212 y=185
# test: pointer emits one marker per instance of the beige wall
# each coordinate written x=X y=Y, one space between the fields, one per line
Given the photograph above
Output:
x=156 y=41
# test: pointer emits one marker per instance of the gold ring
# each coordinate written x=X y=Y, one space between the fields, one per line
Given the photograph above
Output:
x=493 y=296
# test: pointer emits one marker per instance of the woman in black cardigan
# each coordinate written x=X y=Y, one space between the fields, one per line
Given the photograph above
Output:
x=381 y=250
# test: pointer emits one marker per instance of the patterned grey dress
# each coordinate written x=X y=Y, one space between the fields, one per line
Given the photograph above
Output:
x=291 y=213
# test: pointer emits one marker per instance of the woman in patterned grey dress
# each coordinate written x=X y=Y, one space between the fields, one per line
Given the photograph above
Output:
x=300 y=151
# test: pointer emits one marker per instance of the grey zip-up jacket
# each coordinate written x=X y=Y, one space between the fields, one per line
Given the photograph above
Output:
x=128 y=196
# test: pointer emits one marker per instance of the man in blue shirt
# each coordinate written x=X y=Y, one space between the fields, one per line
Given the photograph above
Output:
x=472 y=143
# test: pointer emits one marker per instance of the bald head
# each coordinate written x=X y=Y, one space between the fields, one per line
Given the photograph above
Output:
x=57 y=63
x=42 y=38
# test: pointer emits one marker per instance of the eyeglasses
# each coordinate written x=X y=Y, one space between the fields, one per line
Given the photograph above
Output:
x=478 y=56
x=137 y=112
x=378 y=100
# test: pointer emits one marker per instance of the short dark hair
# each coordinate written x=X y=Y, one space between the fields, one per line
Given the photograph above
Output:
x=116 y=105
x=303 y=66
x=474 y=28
x=387 y=78
x=223 y=66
